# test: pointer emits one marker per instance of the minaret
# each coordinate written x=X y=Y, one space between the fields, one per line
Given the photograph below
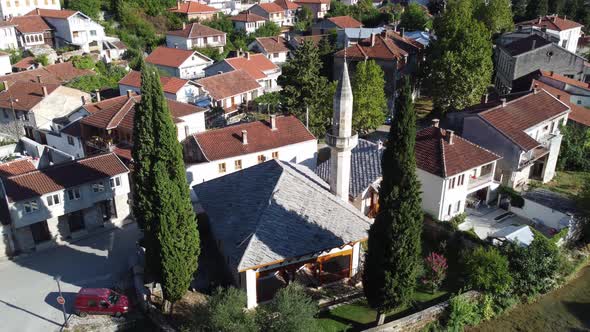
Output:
x=341 y=139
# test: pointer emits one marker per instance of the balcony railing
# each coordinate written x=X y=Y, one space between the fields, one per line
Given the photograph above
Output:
x=532 y=156
x=480 y=180
x=342 y=143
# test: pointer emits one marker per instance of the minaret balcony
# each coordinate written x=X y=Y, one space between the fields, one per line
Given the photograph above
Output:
x=342 y=143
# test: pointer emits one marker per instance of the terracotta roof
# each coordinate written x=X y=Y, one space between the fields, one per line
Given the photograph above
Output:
x=247 y=17
x=15 y=167
x=271 y=7
x=226 y=142
x=255 y=65
x=404 y=41
x=123 y=152
x=384 y=49
x=315 y=39
x=273 y=44
x=119 y=112
x=287 y=4
x=192 y=7
x=524 y=45
x=313 y=1
x=522 y=113
x=566 y=80
x=552 y=22
x=28 y=95
x=62 y=176
x=59 y=73
x=578 y=114
x=435 y=155
x=29 y=24
x=25 y=63
x=52 y=13
x=170 y=57
x=228 y=84
x=196 y=30
x=345 y=22
x=169 y=84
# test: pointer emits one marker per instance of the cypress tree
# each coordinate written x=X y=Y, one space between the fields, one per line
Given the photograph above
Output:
x=177 y=234
x=393 y=254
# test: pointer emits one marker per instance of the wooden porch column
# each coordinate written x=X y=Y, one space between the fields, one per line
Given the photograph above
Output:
x=251 y=289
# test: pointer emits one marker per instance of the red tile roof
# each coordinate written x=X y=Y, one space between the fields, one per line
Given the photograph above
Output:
x=287 y=4
x=119 y=112
x=566 y=80
x=522 y=113
x=228 y=84
x=552 y=22
x=59 y=73
x=271 y=7
x=29 y=24
x=196 y=30
x=313 y=1
x=579 y=114
x=25 y=63
x=16 y=167
x=254 y=64
x=24 y=96
x=192 y=7
x=273 y=44
x=61 y=176
x=52 y=13
x=170 y=57
x=169 y=84
x=384 y=48
x=247 y=17
x=226 y=142
x=435 y=155
x=345 y=22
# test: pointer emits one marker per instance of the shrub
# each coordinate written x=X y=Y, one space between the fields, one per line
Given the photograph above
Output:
x=486 y=307
x=462 y=312
x=516 y=199
x=487 y=270
x=291 y=310
x=458 y=220
x=42 y=59
x=226 y=311
x=436 y=271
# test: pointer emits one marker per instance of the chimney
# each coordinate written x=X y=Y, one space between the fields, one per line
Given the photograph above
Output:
x=45 y=93
x=83 y=100
x=555 y=18
x=540 y=18
x=379 y=144
x=247 y=55
x=534 y=44
x=38 y=11
x=39 y=79
x=373 y=39
x=5 y=85
x=273 y=122
x=503 y=100
x=384 y=33
x=435 y=123
x=450 y=136
x=558 y=97
x=129 y=93
x=402 y=32
x=485 y=98
x=178 y=4
x=244 y=137
x=551 y=73
x=175 y=45
x=186 y=131
x=98 y=98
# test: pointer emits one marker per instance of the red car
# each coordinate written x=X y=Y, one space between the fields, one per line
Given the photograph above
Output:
x=100 y=301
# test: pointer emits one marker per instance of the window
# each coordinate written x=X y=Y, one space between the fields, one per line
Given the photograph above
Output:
x=93 y=32
x=579 y=102
x=74 y=194
x=52 y=199
x=238 y=164
x=28 y=2
x=261 y=158
x=458 y=208
x=8 y=3
x=222 y=168
x=76 y=34
x=70 y=140
x=461 y=180
x=36 y=2
x=16 y=3
x=450 y=207
x=275 y=55
x=31 y=206
x=275 y=155
x=115 y=182
x=452 y=183
x=98 y=187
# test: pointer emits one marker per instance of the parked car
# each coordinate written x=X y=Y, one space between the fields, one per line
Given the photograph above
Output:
x=100 y=301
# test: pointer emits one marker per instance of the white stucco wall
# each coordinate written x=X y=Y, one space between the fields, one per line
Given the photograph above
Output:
x=5 y=66
x=192 y=124
x=533 y=210
x=432 y=191
x=61 y=102
x=25 y=7
x=60 y=142
x=8 y=38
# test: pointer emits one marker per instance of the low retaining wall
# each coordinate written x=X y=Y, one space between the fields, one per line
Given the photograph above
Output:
x=417 y=321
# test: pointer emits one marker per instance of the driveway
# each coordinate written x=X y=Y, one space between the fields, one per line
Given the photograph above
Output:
x=28 y=296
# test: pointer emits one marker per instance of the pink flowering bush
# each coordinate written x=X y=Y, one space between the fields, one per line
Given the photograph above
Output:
x=436 y=271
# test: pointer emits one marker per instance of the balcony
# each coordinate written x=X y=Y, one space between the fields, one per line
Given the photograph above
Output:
x=530 y=157
x=475 y=182
x=339 y=143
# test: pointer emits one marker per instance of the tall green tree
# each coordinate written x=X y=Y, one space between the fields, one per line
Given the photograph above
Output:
x=88 y=7
x=304 y=88
x=415 y=17
x=393 y=254
x=487 y=270
x=536 y=8
x=556 y=6
x=268 y=29
x=370 y=103
x=496 y=15
x=459 y=67
x=574 y=154
x=519 y=9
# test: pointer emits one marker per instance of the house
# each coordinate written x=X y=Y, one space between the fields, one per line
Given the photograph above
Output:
x=32 y=30
x=319 y=8
x=579 y=115
x=561 y=31
x=289 y=11
x=185 y=64
x=5 y=66
x=66 y=136
x=248 y=22
x=109 y=125
x=193 y=10
x=271 y=12
x=227 y=91
x=289 y=227
x=59 y=73
x=248 y=144
x=523 y=131
x=276 y=49
x=8 y=34
x=28 y=63
x=65 y=201
x=12 y=8
x=336 y=23
x=354 y=35
x=258 y=66
x=177 y=89
x=196 y=35
x=524 y=56
x=113 y=49
x=296 y=41
x=28 y=108
x=579 y=91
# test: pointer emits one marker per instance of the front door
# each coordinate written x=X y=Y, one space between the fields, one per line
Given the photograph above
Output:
x=76 y=221
x=40 y=232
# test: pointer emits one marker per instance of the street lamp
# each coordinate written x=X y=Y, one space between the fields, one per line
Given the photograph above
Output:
x=61 y=300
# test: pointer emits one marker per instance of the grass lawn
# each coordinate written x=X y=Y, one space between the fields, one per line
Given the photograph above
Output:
x=359 y=316
x=567 y=183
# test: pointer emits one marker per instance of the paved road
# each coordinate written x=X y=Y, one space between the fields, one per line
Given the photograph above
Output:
x=28 y=290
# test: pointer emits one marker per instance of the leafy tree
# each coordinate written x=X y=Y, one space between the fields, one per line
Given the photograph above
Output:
x=291 y=310
x=556 y=6
x=212 y=53
x=304 y=87
x=496 y=15
x=304 y=19
x=268 y=29
x=574 y=154
x=370 y=103
x=326 y=48
x=459 y=66
x=88 y=7
x=536 y=8
x=393 y=255
x=436 y=270
x=487 y=270
x=83 y=62
x=42 y=59
x=519 y=9
x=226 y=311
x=415 y=18
x=220 y=22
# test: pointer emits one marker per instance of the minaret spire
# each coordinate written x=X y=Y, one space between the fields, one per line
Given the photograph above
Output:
x=341 y=139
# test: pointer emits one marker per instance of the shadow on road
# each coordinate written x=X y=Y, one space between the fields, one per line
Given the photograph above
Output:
x=10 y=305
x=70 y=298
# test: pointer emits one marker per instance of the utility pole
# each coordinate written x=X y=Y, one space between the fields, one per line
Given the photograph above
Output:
x=61 y=300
